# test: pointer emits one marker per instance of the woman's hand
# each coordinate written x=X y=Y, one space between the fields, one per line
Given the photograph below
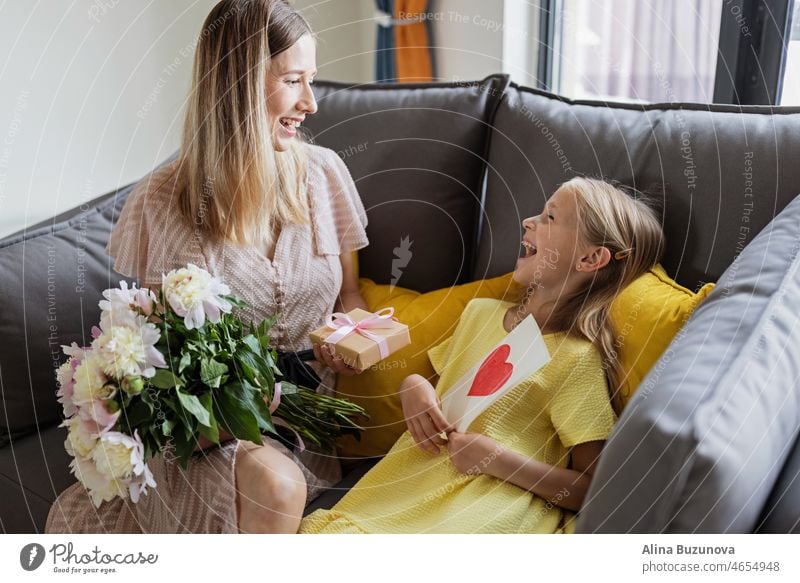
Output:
x=473 y=453
x=323 y=354
x=423 y=413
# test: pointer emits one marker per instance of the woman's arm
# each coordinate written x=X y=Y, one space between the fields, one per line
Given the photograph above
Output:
x=349 y=296
x=565 y=487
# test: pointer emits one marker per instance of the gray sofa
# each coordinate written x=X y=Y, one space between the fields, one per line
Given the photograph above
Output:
x=455 y=167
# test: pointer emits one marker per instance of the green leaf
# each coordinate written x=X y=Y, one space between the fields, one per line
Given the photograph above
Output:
x=247 y=365
x=186 y=360
x=253 y=343
x=167 y=426
x=211 y=372
x=255 y=400
x=184 y=448
x=210 y=431
x=137 y=413
x=165 y=379
x=193 y=405
x=236 y=412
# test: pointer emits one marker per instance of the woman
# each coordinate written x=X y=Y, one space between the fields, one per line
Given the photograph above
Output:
x=278 y=219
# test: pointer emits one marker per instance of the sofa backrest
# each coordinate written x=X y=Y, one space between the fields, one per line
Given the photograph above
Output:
x=416 y=154
x=720 y=173
x=52 y=280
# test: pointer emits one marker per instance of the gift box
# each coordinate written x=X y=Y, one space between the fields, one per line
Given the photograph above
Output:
x=362 y=338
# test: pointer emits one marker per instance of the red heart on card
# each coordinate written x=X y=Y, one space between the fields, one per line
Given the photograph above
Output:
x=493 y=373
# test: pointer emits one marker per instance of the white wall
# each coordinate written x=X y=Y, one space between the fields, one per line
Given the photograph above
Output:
x=91 y=91
x=346 y=36
x=475 y=38
x=91 y=97
x=468 y=36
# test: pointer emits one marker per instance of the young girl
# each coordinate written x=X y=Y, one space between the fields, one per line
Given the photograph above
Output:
x=526 y=464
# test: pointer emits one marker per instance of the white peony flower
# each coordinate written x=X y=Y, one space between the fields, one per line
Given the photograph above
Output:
x=65 y=374
x=121 y=457
x=194 y=294
x=74 y=351
x=100 y=487
x=65 y=371
x=112 y=456
x=80 y=438
x=90 y=381
x=119 y=307
x=129 y=350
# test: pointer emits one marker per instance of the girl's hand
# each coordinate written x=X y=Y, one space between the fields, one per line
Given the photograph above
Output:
x=323 y=354
x=423 y=413
x=472 y=453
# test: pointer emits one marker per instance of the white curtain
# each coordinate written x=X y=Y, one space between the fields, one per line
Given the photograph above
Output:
x=649 y=50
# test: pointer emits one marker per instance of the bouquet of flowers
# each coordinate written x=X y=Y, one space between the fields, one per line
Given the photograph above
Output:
x=164 y=370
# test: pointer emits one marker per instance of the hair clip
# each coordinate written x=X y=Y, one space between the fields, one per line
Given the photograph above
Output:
x=623 y=254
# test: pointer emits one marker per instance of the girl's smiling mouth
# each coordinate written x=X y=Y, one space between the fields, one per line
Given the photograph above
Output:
x=530 y=249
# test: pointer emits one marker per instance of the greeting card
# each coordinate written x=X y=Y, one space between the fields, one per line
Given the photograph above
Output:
x=516 y=357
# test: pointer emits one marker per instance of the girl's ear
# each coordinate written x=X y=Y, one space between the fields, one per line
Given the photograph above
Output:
x=596 y=258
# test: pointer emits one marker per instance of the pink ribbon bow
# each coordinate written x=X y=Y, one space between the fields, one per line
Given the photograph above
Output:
x=344 y=325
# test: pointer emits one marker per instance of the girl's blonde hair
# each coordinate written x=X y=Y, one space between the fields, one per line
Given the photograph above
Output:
x=631 y=231
x=230 y=181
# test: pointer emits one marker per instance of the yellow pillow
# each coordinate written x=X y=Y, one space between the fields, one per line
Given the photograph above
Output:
x=646 y=316
x=431 y=318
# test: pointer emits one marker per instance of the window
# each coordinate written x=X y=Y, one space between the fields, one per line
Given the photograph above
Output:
x=640 y=51
x=722 y=51
x=791 y=74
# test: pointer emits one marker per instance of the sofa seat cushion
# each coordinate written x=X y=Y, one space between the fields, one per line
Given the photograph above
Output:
x=701 y=448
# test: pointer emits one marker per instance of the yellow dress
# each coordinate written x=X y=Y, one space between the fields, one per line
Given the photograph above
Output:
x=563 y=404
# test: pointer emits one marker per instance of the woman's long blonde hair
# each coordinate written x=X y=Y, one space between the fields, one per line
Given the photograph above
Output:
x=630 y=229
x=230 y=181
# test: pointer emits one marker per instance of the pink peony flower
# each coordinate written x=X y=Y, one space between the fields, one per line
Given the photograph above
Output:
x=194 y=294
x=97 y=416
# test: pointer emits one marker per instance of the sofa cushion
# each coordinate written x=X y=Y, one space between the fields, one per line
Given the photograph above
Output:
x=431 y=318
x=41 y=464
x=52 y=280
x=416 y=154
x=646 y=316
x=701 y=443
x=721 y=172
x=782 y=512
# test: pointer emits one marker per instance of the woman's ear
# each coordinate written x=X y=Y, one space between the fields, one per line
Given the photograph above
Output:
x=596 y=258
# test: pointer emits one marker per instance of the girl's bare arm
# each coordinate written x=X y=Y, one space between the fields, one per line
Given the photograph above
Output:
x=565 y=487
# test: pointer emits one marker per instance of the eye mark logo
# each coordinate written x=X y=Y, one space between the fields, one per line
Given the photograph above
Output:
x=31 y=556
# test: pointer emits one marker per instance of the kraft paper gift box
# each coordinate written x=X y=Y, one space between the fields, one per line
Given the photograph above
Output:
x=362 y=338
